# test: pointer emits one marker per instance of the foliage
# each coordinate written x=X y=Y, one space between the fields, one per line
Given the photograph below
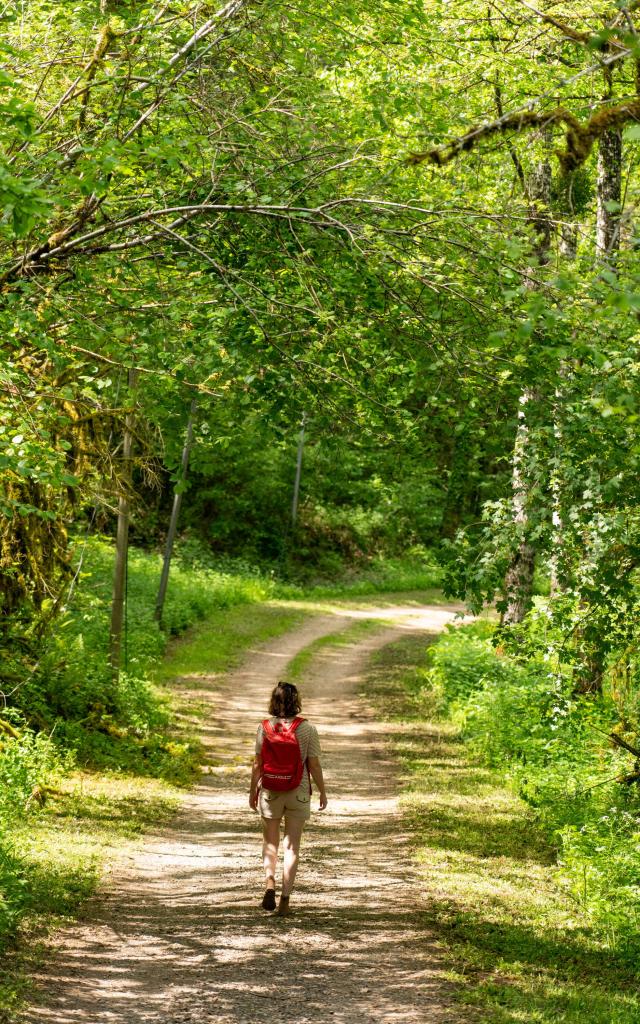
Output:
x=31 y=766
x=600 y=860
x=517 y=946
x=462 y=660
x=524 y=718
x=123 y=723
x=282 y=290
x=416 y=571
x=225 y=213
x=57 y=826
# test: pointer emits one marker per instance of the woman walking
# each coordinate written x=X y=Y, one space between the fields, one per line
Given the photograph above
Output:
x=287 y=754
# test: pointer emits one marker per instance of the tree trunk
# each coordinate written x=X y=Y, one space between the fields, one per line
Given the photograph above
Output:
x=568 y=241
x=296 y=485
x=446 y=462
x=556 y=474
x=175 y=513
x=589 y=677
x=122 y=544
x=518 y=582
x=568 y=247
x=609 y=195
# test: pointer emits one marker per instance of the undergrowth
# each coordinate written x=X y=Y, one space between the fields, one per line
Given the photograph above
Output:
x=551 y=745
x=122 y=724
x=522 y=942
x=417 y=572
x=87 y=762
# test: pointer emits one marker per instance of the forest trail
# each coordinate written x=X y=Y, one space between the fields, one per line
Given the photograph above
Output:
x=176 y=935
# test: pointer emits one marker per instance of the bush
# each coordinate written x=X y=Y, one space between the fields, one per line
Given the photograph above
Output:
x=414 y=571
x=462 y=660
x=13 y=890
x=600 y=862
x=30 y=767
x=30 y=763
x=122 y=725
x=523 y=717
x=506 y=718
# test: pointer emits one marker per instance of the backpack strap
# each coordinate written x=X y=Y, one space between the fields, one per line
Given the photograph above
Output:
x=268 y=727
x=295 y=725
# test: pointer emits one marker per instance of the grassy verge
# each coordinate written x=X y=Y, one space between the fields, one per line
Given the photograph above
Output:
x=340 y=601
x=341 y=638
x=219 y=643
x=60 y=856
x=381 y=576
x=520 y=948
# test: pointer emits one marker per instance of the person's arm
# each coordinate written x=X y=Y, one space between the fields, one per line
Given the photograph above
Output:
x=315 y=769
x=256 y=775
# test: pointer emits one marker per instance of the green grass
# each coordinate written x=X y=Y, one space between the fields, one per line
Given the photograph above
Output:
x=61 y=856
x=381 y=576
x=219 y=643
x=518 y=946
x=341 y=638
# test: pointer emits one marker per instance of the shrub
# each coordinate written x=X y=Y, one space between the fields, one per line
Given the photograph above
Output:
x=600 y=861
x=506 y=717
x=30 y=763
x=13 y=889
x=30 y=767
x=522 y=716
x=462 y=660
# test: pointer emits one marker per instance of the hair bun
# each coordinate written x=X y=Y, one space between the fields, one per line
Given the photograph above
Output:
x=285 y=700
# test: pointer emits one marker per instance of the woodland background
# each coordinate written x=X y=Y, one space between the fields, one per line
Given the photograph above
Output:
x=411 y=227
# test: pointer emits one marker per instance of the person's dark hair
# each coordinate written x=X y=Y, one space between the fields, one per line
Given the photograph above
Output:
x=285 y=701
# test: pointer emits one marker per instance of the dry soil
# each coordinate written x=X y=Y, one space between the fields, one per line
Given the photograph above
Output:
x=176 y=933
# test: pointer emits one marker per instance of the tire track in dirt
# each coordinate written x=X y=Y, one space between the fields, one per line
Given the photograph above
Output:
x=177 y=936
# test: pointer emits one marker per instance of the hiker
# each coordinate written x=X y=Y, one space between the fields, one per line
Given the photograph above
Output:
x=287 y=752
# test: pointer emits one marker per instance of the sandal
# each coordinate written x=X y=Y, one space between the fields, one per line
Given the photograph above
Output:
x=269 y=900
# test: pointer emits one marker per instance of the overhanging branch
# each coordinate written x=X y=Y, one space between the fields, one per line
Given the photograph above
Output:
x=579 y=136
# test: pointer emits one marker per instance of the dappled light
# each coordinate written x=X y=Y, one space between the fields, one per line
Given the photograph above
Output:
x=319 y=358
x=177 y=933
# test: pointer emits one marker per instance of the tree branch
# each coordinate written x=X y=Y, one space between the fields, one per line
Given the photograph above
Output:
x=585 y=38
x=142 y=369
x=579 y=136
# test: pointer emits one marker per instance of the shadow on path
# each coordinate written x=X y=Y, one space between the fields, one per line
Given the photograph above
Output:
x=178 y=934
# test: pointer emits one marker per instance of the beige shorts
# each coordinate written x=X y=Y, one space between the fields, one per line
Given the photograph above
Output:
x=296 y=803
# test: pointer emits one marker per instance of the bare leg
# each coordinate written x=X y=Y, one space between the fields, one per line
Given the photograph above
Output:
x=292 y=836
x=271 y=841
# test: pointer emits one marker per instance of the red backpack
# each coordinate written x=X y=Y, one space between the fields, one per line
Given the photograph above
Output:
x=282 y=765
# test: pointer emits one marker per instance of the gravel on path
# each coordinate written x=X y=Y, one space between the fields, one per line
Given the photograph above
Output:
x=176 y=933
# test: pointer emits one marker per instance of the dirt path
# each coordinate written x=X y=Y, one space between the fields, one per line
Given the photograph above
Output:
x=178 y=936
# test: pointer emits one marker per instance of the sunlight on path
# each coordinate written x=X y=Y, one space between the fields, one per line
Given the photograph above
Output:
x=177 y=936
